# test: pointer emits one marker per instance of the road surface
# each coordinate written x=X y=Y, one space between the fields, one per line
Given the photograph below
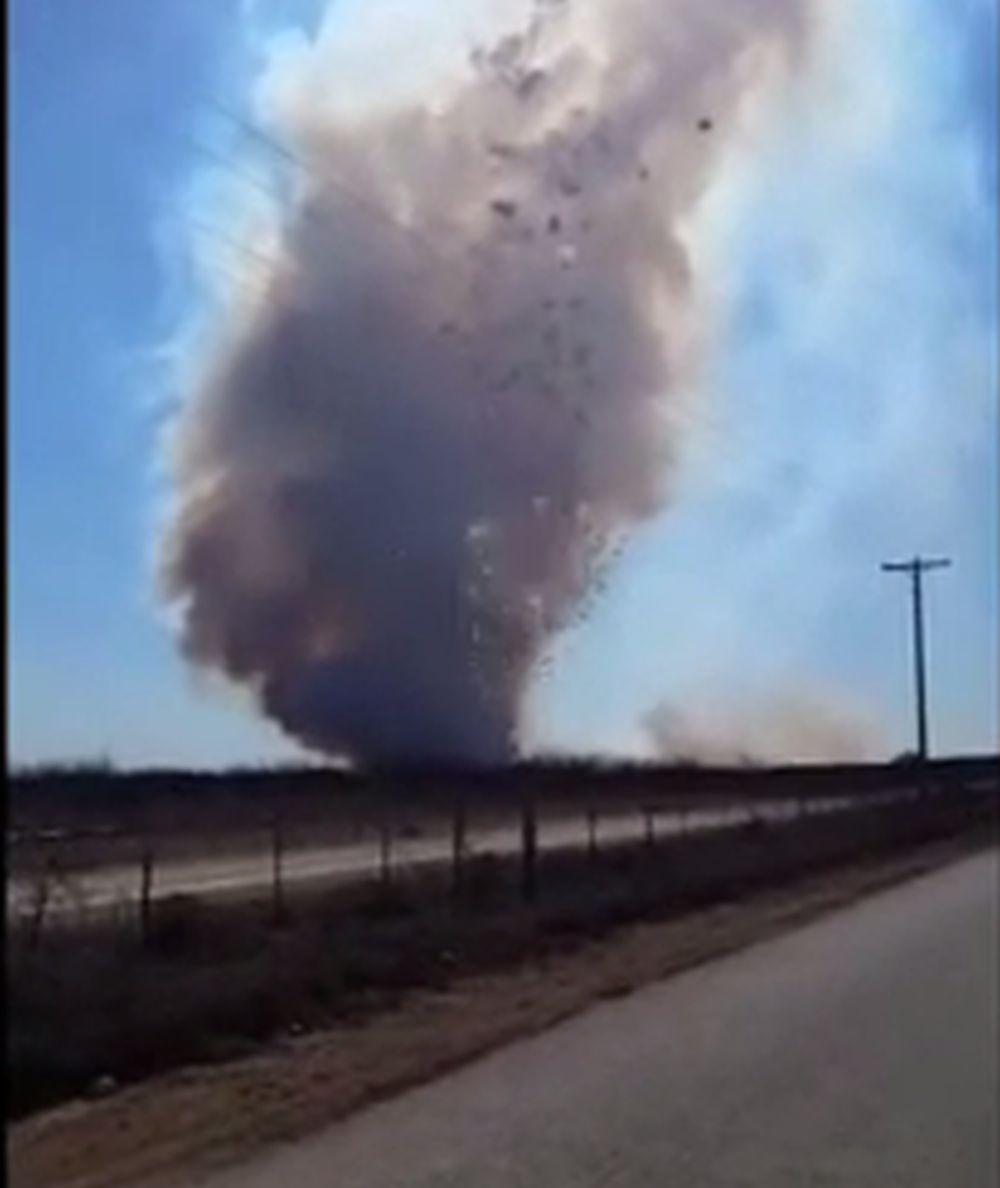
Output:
x=102 y=887
x=860 y=1051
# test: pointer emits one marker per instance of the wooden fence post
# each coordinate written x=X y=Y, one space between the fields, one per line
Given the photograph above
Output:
x=649 y=815
x=458 y=844
x=385 y=854
x=278 y=904
x=592 y=834
x=146 y=864
x=40 y=900
x=529 y=851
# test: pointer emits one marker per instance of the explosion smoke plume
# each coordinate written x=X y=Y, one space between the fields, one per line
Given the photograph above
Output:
x=458 y=388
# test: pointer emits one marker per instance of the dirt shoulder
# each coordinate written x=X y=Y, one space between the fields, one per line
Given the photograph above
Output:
x=188 y=1123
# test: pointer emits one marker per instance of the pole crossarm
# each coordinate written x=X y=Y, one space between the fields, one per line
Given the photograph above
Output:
x=918 y=563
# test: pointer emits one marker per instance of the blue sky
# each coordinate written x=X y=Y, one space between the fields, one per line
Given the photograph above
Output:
x=102 y=101
x=852 y=392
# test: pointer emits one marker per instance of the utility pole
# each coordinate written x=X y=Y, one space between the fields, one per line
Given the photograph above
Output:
x=916 y=569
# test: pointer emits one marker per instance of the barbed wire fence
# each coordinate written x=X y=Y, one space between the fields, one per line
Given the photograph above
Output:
x=66 y=880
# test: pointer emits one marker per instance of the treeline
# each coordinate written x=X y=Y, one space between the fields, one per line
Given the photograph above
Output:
x=53 y=794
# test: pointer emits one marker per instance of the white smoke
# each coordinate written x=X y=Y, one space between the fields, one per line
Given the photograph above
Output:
x=785 y=726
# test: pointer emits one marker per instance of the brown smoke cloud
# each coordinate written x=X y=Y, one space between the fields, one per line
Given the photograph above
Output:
x=459 y=385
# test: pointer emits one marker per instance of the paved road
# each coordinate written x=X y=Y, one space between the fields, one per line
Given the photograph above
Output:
x=860 y=1051
x=104 y=886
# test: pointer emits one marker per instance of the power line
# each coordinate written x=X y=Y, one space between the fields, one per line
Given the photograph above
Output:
x=263 y=263
x=290 y=157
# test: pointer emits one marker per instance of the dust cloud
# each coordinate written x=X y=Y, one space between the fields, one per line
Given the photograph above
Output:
x=791 y=725
x=461 y=381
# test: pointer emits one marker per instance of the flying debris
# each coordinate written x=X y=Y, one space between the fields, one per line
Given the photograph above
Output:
x=704 y=124
x=507 y=381
x=528 y=83
x=360 y=516
x=504 y=207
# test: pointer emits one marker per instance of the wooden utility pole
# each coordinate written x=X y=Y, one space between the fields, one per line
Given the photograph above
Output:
x=916 y=569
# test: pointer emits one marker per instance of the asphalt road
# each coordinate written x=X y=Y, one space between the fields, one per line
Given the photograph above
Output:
x=102 y=887
x=859 y=1051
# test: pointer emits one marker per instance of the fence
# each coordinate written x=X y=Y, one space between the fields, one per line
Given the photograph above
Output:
x=64 y=880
